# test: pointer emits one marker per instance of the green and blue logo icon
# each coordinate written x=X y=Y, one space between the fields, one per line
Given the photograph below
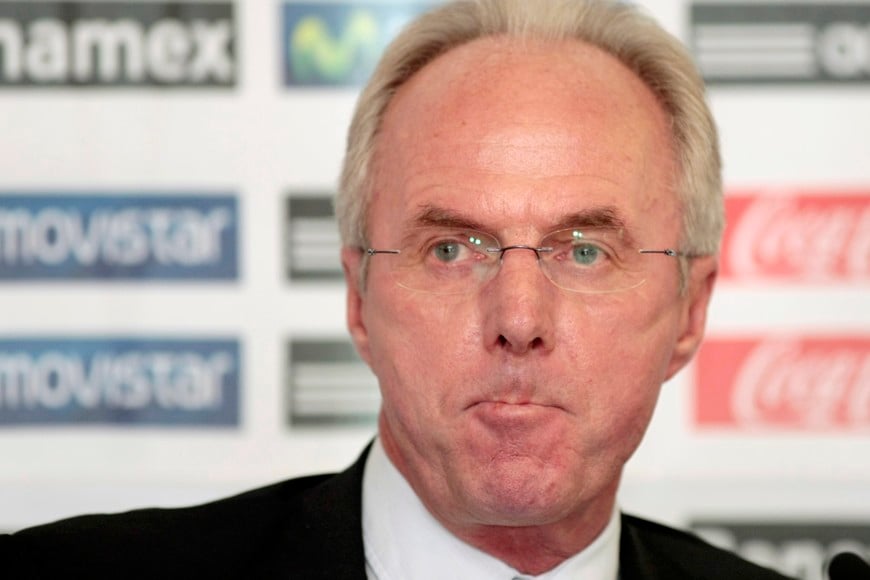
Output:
x=338 y=44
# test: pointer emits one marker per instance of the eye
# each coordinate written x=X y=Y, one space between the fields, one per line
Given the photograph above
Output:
x=446 y=247
x=587 y=254
x=447 y=251
x=581 y=250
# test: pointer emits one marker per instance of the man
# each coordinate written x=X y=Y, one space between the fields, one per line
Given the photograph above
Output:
x=531 y=210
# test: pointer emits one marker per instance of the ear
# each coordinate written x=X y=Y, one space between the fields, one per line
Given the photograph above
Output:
x=693 y=317
x=351 y=262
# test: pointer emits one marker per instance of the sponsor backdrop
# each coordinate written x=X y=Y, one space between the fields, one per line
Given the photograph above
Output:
x=172 y=324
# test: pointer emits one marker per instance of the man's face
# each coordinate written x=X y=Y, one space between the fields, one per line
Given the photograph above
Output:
x=517 y=403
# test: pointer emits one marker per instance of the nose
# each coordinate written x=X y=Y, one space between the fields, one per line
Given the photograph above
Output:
x=520 y=304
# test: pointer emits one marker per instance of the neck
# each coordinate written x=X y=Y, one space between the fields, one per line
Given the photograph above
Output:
x=537 y=549
x=530 y=549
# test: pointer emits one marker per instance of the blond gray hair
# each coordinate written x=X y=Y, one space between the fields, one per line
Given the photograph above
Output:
x=635 y=39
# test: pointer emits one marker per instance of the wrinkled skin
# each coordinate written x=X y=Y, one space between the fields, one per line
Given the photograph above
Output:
x=511 y=410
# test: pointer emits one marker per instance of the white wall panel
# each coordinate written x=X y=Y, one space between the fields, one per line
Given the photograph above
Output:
x=264 y=143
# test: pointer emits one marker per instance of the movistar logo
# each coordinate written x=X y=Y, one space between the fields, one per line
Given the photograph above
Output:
x=339 y=44
x=120 y=380
x=317 y=56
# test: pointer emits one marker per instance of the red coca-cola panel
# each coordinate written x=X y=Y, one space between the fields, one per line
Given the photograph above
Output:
x=808 y=383
x=797 y=237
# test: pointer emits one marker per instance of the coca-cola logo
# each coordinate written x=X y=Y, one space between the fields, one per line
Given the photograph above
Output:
x=808 y=237
x=809 y=383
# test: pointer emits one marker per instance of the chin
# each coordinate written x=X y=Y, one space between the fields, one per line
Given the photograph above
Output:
x=520 y=493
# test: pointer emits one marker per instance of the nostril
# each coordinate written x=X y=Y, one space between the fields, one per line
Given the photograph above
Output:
x=536 y=342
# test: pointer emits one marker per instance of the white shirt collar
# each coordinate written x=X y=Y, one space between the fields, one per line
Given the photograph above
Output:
x=404 y=541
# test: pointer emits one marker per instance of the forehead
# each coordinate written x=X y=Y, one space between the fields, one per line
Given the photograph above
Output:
x=523 y=132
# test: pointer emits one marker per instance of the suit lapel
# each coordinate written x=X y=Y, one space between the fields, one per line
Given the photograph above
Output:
x=638 y=562
x=334 y=510
x=321 y=537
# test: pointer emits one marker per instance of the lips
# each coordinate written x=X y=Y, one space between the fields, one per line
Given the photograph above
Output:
x=513 y=396
x=514 y=393
x=500 y=414
x=507 y=402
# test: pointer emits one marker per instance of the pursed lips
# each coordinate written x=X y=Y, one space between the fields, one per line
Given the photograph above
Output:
x=516 y=392
x=512 y=404
x=520 y=401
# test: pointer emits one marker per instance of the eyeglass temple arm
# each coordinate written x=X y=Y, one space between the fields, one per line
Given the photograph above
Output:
x=666 y=252
x=372 y=251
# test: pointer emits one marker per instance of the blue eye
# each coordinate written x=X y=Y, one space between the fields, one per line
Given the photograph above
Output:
x=447 y=251
x=586 y=254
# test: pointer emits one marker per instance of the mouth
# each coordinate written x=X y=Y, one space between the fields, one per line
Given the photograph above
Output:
x=514 y=394
x=511 y=419
x=507 y=403
x=512 y=409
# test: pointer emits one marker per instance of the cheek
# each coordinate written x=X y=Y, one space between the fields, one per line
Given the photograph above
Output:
x=420 y=345
x=617 y=396
x=621 y=355
x=634 y=334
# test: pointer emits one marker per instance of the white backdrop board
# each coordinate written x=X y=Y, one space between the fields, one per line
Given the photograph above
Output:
x=171 y=306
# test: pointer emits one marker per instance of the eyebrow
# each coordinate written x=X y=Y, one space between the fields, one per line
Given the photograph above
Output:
x=431 y=215
x=599 y=217
x=603 y=217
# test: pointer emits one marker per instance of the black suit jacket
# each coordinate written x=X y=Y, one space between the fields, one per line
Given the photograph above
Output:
x=307 y=528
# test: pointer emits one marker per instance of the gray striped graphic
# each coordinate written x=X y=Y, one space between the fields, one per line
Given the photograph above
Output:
x=329 y=385
x=312 y=244
x=781 y=43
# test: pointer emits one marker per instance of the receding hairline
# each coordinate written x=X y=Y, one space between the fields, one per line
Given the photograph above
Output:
x=608 y=74
x=506 y=44
x=624 y=31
